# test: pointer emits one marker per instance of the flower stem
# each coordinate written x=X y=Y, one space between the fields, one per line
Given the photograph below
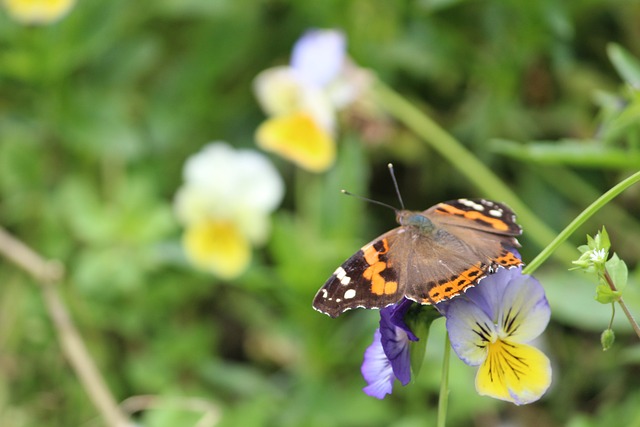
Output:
x=579 y=220
x=443 y=401
x=627 y=313
x=613 y=315
x=466 y=164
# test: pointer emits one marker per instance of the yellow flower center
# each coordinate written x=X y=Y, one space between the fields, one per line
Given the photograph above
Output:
x=219 y=247
x=513 y=372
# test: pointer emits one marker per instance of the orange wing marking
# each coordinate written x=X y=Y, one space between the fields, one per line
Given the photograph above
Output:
x=379 y=285
x=508 y=259
x=475 y=215
x=454 y=286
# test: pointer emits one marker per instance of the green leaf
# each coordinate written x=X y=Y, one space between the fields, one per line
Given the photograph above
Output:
x=574 y=152
x=419 y=318
x=618 y=271
x=627 y=65
x=605 y=295
x=602 y=240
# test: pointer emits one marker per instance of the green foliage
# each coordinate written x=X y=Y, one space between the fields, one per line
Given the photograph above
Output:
x=419 y=320
x=99 y=111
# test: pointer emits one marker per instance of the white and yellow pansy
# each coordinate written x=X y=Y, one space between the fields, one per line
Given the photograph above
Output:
x=224 y=205
x=303 y=98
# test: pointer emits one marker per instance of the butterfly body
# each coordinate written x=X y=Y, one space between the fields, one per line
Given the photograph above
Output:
x=434 y=255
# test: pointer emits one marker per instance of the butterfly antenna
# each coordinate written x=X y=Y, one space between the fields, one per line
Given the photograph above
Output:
x=366 y=199
x=395 y=184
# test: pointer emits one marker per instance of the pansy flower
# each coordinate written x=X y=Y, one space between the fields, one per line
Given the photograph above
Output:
x=491 y=327
x=224 y=205
x=303 y=98
x=388 y=358
x=37 y=11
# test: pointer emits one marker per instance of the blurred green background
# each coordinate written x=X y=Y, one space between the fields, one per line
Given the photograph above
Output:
x=99 y=111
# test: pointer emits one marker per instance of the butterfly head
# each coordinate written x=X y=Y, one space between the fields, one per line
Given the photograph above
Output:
x=414 y=219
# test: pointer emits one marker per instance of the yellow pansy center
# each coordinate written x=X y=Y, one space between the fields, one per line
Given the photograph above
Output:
x=218 y=246
x=513 y=372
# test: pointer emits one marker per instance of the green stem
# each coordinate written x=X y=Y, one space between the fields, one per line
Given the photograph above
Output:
x=443 y=401
x=625 y=309
x=580 y=193
x=579 y=220
x=467 y=164
x=613 y=315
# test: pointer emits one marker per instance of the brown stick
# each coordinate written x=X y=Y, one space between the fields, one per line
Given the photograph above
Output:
x=47 y=274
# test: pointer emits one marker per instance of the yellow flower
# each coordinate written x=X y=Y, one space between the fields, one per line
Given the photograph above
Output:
x=37 y=11
x=302 y=99
x=298 y=137
x=513 y=372
x=224 y=204
x=218 y=246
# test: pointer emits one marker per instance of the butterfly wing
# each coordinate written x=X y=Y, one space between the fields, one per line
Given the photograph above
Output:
x=368 y=279
x=479 y=214
x=472 y=238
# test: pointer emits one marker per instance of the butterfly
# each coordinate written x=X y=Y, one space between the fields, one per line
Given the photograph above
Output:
x=433 y=256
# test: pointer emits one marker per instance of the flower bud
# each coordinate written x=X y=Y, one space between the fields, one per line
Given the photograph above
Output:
x=607 y=338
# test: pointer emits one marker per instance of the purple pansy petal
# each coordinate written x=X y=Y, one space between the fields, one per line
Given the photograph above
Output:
x=524 y=312
x=488 y=294
x=396 y=317
x=319 y=55
x=470 y=330
x=376 y=369
x=395 y=342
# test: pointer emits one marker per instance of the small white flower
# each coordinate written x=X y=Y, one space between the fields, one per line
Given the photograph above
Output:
x=598 y=256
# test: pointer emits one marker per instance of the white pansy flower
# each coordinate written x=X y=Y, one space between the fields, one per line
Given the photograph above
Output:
x=224 y=204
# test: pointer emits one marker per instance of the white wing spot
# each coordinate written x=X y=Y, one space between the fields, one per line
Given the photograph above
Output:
x=324 y=293
x=349 y=293
x=340 y=273
x=471 y=204
x=495 y=212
